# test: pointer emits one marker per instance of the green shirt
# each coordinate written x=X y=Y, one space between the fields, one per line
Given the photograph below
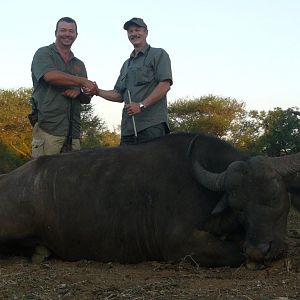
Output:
x=53 y=107
x=140 y=75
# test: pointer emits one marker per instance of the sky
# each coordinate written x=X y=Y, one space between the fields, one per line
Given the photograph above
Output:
x=248 y=50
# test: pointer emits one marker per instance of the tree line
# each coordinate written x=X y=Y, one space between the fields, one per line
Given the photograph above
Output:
x=273 y=133
x=16 y=131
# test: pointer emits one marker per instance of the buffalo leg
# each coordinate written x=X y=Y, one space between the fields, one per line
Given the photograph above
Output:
x=207 y=250
x=40 y=254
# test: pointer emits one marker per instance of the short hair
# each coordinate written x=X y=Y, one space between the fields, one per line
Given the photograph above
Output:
x=66 y=19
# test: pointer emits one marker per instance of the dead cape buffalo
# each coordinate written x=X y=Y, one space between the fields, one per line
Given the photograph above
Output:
x=181 y=195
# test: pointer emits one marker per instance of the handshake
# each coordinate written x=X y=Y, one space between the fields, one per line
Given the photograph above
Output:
x=89 y=88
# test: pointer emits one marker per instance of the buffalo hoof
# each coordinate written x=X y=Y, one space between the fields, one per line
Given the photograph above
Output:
x=40 y=254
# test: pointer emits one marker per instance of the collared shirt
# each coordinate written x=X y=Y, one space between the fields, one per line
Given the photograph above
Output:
x=53 y=107
x=140 y=75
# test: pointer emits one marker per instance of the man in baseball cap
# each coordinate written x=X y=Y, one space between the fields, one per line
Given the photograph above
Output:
x=144 y=81
x=135 y=21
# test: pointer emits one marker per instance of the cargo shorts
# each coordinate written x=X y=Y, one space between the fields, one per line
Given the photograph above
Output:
x=44 y=143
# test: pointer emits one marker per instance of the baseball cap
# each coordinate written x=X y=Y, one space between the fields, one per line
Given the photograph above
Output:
x=135 y=21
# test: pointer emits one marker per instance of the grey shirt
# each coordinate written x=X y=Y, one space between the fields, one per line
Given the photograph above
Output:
x=140 y=75
x=53 y=107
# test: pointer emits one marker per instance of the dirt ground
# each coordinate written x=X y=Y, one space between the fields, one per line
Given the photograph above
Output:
x=55 y=279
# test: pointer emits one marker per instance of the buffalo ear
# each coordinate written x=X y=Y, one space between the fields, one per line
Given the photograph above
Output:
x=292 y=183
x=221 y=206
x=222 y=221
x=295 y=199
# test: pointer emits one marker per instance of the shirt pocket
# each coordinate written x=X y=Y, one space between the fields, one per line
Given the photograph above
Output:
x=123 y=82
x=143 y=75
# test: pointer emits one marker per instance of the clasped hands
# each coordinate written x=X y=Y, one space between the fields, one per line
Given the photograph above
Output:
x=88 y=87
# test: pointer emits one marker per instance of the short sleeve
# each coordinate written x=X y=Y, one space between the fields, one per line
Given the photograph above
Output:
x=163 y=70
x=42 y=63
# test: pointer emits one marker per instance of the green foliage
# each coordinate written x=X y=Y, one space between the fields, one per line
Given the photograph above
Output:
x=208 y=114
x=281 y=132
x=110 y=138
x=94 y=130
x=15 y=129
x=247 y=130
x=9 y=160
x=274 y=133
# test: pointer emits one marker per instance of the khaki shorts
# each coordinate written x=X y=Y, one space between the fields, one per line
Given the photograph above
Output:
x=44 y=143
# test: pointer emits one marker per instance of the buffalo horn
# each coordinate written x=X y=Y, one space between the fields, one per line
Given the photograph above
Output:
x=210 y=180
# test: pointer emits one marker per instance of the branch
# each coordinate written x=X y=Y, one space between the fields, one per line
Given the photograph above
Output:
x=20 y=151
x=27 y=149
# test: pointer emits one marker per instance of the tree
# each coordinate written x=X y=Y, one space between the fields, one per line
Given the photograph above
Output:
x=208 y=114
x=281 y=132
x=9 y=160
x=273 y=133
x=110 y=138
x=15 y=129
x=94 y=130
x=246 y=131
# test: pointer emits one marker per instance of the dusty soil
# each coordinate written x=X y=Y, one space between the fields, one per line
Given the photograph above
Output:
x=55 y=279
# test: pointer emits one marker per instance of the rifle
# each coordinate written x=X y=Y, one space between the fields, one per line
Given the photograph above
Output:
x=33 y=116
x=67 y=145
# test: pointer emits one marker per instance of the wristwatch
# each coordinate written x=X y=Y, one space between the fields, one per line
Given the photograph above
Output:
x=142 y=106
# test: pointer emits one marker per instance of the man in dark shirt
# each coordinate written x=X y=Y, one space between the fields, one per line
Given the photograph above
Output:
x=143 y=83
x=58 y=77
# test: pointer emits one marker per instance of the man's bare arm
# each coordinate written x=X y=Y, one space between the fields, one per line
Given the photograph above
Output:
x=64 y=79
x=159 y=92
x=156 y=95
x=110 y=95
